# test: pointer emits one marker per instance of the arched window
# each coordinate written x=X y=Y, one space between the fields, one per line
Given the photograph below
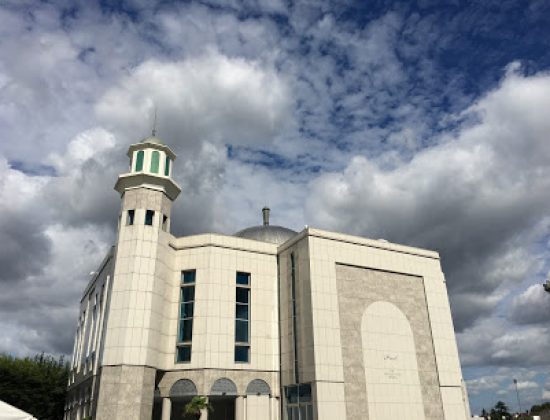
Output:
x=155 y=162
x=167 y=166
x=139 y=161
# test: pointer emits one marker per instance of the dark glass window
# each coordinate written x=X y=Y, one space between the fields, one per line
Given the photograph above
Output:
x=155 y=157
x=186 y=330
x=149 y=216
x=298 y=401
x=164 y=222
x=187 y=309
x=130 y=219
x=188 y=294
x=242 y=311
x=243 y=278
x=243 y=294
x=167 y=166
x=304 y=392
x=241 y=331
x=242 y=354
x=139 y=160
x=188 y=276
x=242 y=318
x=183 y=353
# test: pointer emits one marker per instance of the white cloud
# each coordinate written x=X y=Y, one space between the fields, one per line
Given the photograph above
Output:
x=531 y=306
x=477 y=196
x=211 y=98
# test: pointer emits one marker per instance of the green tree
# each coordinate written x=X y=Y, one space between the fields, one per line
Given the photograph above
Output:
x=36 y=385
x=196 y=405
x=499 y=411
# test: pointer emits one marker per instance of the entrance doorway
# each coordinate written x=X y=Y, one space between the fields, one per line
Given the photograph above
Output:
x=224 y=408
x=178 y=409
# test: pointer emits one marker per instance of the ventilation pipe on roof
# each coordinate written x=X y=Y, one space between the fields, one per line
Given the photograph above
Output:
x=265 y=213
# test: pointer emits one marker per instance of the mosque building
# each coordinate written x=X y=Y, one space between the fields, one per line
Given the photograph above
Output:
x=268 y=323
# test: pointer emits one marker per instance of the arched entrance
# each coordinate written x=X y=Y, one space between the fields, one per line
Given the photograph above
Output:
x=180 y=394
x=391 y=367
x=222 y=397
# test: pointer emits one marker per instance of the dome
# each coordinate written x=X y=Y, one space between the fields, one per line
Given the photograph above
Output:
x=274 y=234
x=266 y=232
x=152 y=139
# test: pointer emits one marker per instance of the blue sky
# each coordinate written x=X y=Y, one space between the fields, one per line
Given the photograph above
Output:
x=424 y=123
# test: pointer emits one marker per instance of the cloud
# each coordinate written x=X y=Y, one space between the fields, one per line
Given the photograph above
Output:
x=477 y=197
x=211 y=98
x=362 y=113
x=531 y=306
x=494 y=342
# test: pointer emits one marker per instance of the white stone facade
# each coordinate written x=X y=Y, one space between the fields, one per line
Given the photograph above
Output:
x=327 y=326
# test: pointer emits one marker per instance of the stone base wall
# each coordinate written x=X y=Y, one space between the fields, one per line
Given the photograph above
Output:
x=126 y=392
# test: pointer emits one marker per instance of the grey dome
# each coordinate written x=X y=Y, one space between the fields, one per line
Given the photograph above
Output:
x=266 y=232
x=274 y=234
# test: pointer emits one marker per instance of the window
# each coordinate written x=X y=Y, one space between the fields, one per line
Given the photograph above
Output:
x=298 y=402
x=164 y=222
x=242 y=318
x=139 y=160
x=155 y=157
x=167 y=166
x=294 y=315
x=130 y=218
x=186 y=311
x=149 y=216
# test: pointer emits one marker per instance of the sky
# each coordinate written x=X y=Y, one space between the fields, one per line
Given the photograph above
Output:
x=425 y=123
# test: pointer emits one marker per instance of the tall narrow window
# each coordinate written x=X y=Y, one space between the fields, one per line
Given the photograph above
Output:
x=130 y=218
x=294 y=315
x=164 y=222
x=242 y=318
x=139 y=160
x=167 y=166
x=149 y=216
x=187 y=307
x=155 y=157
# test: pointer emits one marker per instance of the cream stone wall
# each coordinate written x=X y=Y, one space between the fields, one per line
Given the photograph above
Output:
x=217 y=259
x=305 y=352
x=326 y=250
x=142 y=267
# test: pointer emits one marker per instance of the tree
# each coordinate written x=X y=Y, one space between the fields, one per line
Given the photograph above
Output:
x=196 y=405
x=499 y=411
x=542 y=409
x=36 y=385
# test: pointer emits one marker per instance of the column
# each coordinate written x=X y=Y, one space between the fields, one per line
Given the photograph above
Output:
x=239 y=408
x=166 y=408
x=275 y=408
x=204 y=413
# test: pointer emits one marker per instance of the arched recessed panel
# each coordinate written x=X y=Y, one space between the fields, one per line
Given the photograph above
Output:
x=183 y=388
x=155 y=159
x=139 y=160
x=223 y=386
x=258 y=387
x=391 y=367
x=167 y=166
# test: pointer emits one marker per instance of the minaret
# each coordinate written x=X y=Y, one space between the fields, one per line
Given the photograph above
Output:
x=141 y=279
x=150 y=168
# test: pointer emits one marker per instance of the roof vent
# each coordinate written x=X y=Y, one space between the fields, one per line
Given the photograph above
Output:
x=265 y=213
